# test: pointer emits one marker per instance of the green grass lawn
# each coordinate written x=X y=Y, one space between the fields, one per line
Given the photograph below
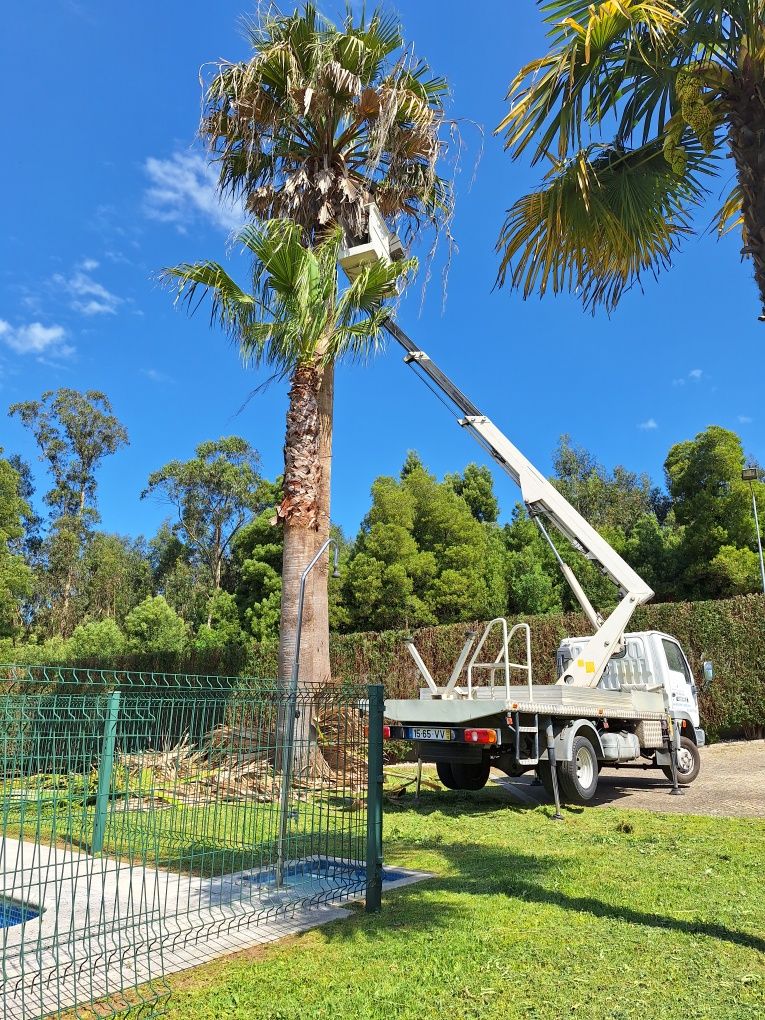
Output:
x=612 y=914
x=208 y=839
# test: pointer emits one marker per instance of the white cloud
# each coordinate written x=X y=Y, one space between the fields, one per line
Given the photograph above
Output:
x=648 y=425
x=34 y=338
x=87 y=296
x=696 y=374
x=744 y=419
x=88 y=265
x=183 y=188
x=154 y=376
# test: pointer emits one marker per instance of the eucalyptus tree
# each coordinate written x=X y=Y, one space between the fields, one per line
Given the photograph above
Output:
x=15 y=575
x=682 y=84
x=74 y=431
x=295 y=318
x=321 y=120
x=214 y=494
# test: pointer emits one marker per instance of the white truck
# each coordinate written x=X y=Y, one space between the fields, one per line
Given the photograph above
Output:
x=619 y=697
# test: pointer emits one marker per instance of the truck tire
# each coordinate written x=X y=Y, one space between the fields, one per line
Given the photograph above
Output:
x=445 y=775
x=473 y=776
x=688 y=763
x=578 y=778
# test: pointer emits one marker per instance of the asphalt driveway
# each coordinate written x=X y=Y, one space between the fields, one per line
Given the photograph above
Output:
x=731 y=783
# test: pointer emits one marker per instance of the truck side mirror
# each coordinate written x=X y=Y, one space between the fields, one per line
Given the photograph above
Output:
x=709 y=674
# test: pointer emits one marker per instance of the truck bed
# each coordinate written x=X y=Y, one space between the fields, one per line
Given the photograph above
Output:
x=546 y=699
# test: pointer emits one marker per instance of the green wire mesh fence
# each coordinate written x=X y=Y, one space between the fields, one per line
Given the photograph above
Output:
x=153 y=821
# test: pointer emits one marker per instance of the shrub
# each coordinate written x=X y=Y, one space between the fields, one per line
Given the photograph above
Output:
x=154 y=626
x=97 y=639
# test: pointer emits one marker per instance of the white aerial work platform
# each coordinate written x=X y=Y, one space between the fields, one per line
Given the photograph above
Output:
x=618 y=698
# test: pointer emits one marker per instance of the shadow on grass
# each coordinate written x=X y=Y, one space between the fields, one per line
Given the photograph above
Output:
x=481 y=870
x=522 y=886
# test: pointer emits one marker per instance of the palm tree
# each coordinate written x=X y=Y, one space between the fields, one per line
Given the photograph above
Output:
x=684 y=83
x=294 y=318
x=320 y=121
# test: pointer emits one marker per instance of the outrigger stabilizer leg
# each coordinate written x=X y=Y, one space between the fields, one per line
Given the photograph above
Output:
x=673 y=741
x=557 y=817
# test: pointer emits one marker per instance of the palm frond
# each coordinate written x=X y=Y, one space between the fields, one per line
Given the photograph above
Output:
x=554 y=98
x=294 y=313
x=601 y=220
x=729 y=216
x=277 y=253
x=233 y=308
x=347 y=107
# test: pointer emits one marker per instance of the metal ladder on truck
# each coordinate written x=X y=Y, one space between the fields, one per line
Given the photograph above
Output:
x=501 y=663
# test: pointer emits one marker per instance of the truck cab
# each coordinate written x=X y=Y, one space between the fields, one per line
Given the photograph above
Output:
x=648 y=659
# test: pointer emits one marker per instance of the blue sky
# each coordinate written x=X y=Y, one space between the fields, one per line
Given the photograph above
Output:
x=102 y=185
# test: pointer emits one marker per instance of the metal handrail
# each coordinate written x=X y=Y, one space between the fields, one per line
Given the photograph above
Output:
x=502 y=661
x=517 y=665
x=492 y=666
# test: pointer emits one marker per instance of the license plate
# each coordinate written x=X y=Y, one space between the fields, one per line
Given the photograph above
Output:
x=429 y=733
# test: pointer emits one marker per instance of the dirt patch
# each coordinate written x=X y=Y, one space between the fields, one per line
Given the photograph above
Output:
x=731 y=784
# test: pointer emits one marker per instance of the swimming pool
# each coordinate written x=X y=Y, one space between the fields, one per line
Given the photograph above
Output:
x=323 y=872
x=12 y=912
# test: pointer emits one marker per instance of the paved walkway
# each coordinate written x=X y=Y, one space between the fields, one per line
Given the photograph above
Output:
x=731 y=783
x=103 y=925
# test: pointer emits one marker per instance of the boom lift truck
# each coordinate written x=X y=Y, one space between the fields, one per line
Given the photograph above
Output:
x=619 y=697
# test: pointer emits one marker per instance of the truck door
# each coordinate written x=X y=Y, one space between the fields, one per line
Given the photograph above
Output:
x=680 y=681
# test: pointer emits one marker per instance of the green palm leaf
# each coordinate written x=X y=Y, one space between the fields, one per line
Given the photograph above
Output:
x=675 y=86
x=602 y=219
x=293 y=313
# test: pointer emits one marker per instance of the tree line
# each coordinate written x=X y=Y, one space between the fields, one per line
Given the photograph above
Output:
x=329 y=123
x=428 y=551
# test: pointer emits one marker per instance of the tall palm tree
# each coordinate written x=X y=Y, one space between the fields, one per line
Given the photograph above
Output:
x=320 y=121
x=295 y=318
x=683 y=82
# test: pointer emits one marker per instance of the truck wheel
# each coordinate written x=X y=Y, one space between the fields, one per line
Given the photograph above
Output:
x=688 y=763
x=473 y=776
x=445 y=775
x=579 y=777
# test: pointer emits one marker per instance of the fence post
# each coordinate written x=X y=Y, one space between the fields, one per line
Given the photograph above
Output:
x=284 y=755
x=375 y=798
x=105 y=768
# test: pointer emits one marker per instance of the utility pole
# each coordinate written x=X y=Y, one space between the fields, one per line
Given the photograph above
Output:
x=752 y=475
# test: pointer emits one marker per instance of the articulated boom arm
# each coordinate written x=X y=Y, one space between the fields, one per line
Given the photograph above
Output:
x=544 y=501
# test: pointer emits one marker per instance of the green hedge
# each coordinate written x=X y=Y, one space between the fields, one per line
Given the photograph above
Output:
x=730 y=632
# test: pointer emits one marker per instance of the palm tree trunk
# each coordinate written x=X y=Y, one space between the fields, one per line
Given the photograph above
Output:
x=747 y=141
x=299 y=511
x=320 y=632
x=305 y=511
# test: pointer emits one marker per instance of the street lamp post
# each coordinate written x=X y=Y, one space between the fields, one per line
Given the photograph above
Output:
x=752 y=475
